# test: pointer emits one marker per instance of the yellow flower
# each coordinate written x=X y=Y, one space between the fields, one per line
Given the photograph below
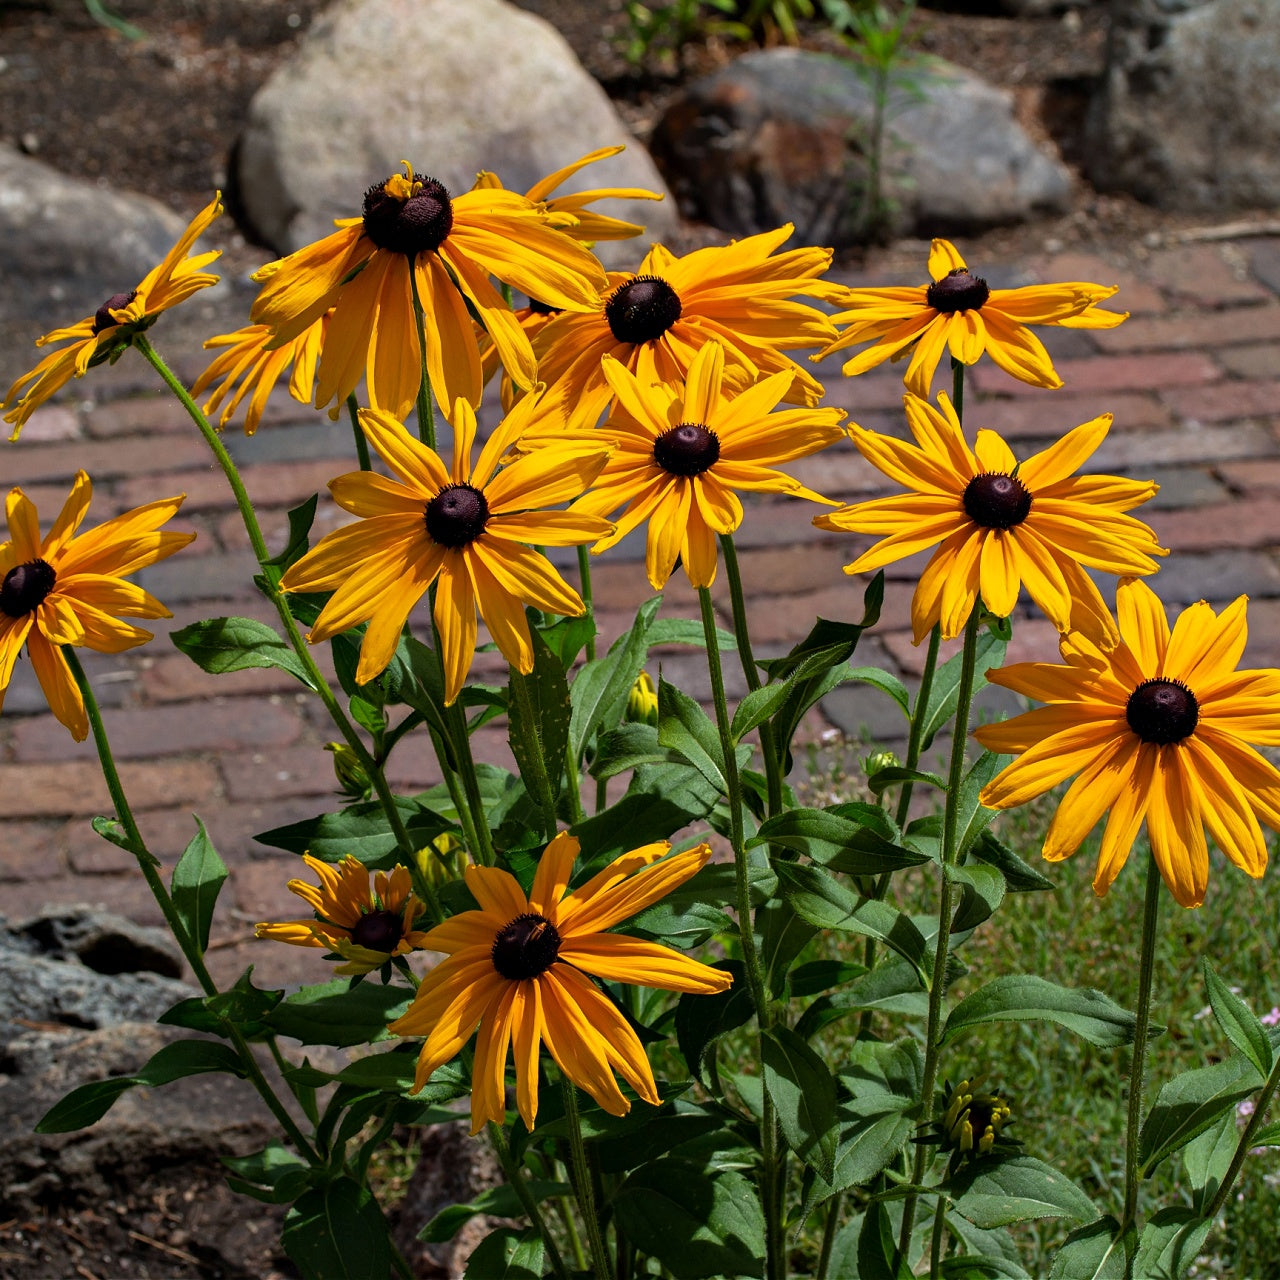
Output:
x=253 y=360
x=587 y=226
x=959 y=312
x=656 y=321
x=1159 y=728
x=64 y=589
x=521 y=968
x=685 y=450
x=1002 y=524
x=452 y=245
x=471 y=529
x=116 y=322
x=365 y=926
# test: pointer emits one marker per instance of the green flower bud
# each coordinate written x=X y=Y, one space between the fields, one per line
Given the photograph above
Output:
x=352 y=779
x=642 y=701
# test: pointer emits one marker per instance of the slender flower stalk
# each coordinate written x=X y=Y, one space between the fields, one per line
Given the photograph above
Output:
x=600 y=1265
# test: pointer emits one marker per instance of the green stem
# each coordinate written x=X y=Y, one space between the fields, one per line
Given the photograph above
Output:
x=1245 y=1145
x=942 y=949
x=600 y=1266
x=935 y=1243
x=829 y=1229
x=1138 y=1062
x=426 y=415
x=362 y=445
x=148 y=863
x=565 y=1205
x=543 y=793
x=315 y=677
x=574 y=784
x=584 y=579
x=768 y=744
x=919 y=713
x=511 y=1171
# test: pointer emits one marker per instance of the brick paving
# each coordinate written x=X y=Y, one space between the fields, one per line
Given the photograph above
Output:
x=1193 y=379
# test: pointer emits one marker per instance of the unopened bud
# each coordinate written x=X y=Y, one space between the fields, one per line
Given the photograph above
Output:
x=352 y=779
x=878 y=761
x=642 y=701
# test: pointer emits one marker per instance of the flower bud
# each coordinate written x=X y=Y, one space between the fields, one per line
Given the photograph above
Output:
x=642 y=701
x=352 y=779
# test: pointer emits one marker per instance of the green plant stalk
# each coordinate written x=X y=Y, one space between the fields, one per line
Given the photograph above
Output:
x=920 y=711
x=1245 y=1144
x=300 y=647
x=829 y=1230
x=601 y=1267
x=148 y=863
x=768 y=744
x=426 y=415
x=480 y=851
x=584 y=579
x=362 y=445
x=565 y=1205
x=774 y=1242
x=543 y=793
x=939 y=1233
x=511 y=1171
x=937 y=986
x=1138 y=1062
x=573 y=782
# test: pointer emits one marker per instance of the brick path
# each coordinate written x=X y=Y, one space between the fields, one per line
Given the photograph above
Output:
x=1193 y=379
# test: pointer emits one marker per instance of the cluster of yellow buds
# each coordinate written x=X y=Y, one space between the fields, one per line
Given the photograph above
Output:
x=973 y=1120
x=642 y=701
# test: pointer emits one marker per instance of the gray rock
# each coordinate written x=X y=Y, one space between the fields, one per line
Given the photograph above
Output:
x=1188 y=112
x=100 y=940
x=780 y=136
x=452 y=87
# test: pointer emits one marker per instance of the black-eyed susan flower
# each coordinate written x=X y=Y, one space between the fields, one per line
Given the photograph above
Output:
x=120 y=318
x=1162 y=728
x=684 y=451
x=1001 y=524
x=587 y=225
x=251 y=364
x=523 y=970
x=472 y=530
x=656 y=321
x=66 y=588
x=452 y=245
x=366 y=924
x=957 y=311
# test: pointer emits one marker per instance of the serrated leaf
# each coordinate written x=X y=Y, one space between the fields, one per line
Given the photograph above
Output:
x=539 y=743
x=847 y=839
x=339 y=1013
x=1018 y=1189
x=628 y=747
x=508 y=1254
x=498 y=1202
x=1092 y=1252
x=361 y=830
x=197 y=880
x=219 y=645
x=1207 y=1158
x=1190 y=1103
x=1238 y=1022
x=944 y=695
x=1019 y=876
x=981 y=893
x=886 y=683
x=1170 y=1243
x=1023 y=997
x=701 y=1020
x=337 y=1232
x=683 y=726
x=804 y=1097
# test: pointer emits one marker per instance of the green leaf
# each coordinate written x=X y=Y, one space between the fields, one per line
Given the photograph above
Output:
x=973 y=817
x=275 y=1175
x=818 y=898
x=756 y=707
x=1019 y=876
x=337 y=1232
x=90 y=1102
x=683 y=726
x=339 y=1013
x=981 y=893
x=301 y=518
x=498 y=1202
x=696 y=1225
x=1190 y=1103
x=886 y=683
x=197 y=880
x=1238 y=1022
x=817 y=976
x=1266 y=1136
x=1093 y=1252
x=540 y=742
x=508 y=1254
x=883 y=779
x=666 y=631
x=669 y=1132
x=626 y=748
x=855 y=839
x=945 y=693
x=1019 y=1189
x=218 y=645
x=804 y=1097
x=361 y=830
x=701 y=1020
x=1207 y=1158
x=567 y=637
x=1170 y=1243
x=784 y=935
x=1023 y=997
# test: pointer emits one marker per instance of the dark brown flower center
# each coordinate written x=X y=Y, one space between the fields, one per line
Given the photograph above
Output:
x=456 y=516
x=957 y=291
x=526 y=947
x=408 y=215
x=103 y=319
x=642 y=310
x=996 y=501
x=1162 y=711
x=25 y=588
x=687 y=450
x=379 y=931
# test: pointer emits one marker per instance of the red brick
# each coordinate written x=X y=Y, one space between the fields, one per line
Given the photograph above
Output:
x=30 y=851
x=1023 y=418
x=268 y=484
x=1135 y=296
x=1263 y=647
x=1259 y=360
x=838 y=472
x=166 y=730
x=1226 y=401
x=1251 y=478
x=1203 y=275
x=1191 y=330
x=141 y=458
x=274 y=522
x=1220 y=525
x=178 y=679
x=140 y=415
x=124 y=895
x=778 y=623
x=294 y=771
x=1109 y=373
x=1139 y=451
x=51 y=422
x=55 y=790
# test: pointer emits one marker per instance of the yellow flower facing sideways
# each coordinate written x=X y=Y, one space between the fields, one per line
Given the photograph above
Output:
x=999 y=524
x=686 y=449
x=1162 y=728
x=523 y=970
x=472 y=530
x=451 y=245
x=123 y=314
x=66 y=588
x=956 y=311
x=365 y=924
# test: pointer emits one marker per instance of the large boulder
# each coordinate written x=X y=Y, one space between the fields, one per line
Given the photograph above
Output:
x=1188 y=112
x=454 y=88
x=782 y=135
